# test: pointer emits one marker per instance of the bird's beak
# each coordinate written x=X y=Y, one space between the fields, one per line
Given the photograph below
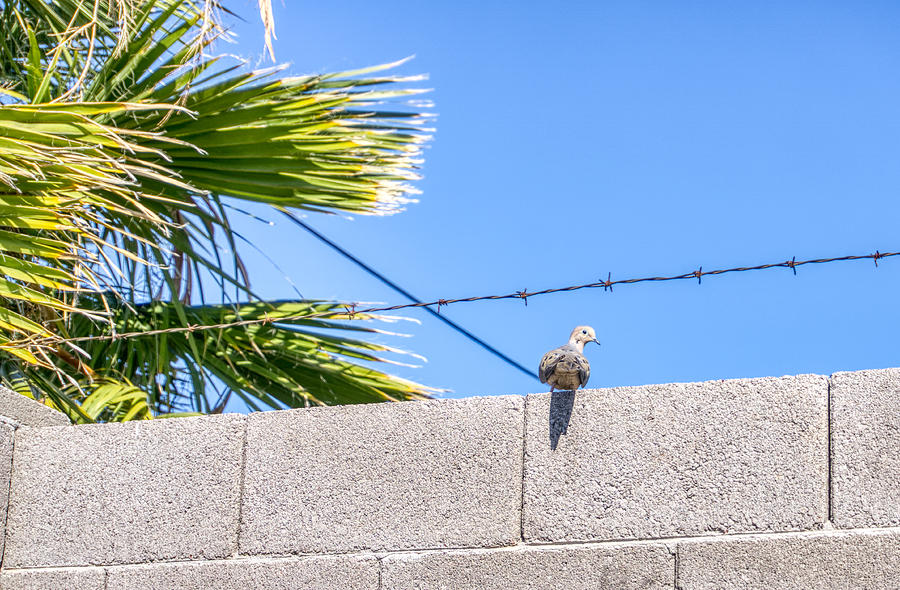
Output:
x=597 y=341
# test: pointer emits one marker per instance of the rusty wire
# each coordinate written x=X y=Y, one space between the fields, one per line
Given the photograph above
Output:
x=352 y=312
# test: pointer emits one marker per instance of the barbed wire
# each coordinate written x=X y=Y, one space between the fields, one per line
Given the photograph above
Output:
x=351 y=312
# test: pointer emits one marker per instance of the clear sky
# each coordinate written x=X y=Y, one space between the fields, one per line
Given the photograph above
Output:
x=630 y=137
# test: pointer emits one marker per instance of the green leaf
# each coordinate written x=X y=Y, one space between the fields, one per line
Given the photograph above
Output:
x=113 y=217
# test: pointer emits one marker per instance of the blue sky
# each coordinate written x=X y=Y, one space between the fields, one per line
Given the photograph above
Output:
x=635 y=138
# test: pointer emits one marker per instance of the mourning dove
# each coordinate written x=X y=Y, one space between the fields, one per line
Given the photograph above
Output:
x=565 y=367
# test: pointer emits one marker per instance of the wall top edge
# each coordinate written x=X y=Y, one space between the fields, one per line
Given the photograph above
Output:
x=19 y=410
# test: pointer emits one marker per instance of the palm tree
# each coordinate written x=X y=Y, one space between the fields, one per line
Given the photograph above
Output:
x=124 y=148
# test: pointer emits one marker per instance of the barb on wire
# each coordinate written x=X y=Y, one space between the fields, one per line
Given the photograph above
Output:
x=792 y=264
x=523 y=294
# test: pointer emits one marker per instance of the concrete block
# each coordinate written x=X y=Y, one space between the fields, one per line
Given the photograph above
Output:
x=306 y=573
x=387 y=476
x=19 y=409
x=822 y=560
x=865 y=431
x=82 y=578
x=6 y=451
x=676 y=459
x=644 y=566
x=123 y=493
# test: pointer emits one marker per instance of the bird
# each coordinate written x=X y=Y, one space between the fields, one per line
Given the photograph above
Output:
x=566 y=367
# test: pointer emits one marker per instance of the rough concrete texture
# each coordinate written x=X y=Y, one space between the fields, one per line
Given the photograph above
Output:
x=824 y=561
x=676 y=459
x=389 y=476
x=305 y=573
x=121 y=493
x=645 y=567
x=85 y=578
x=865 y=448
x=17 y=408
x=6 y=451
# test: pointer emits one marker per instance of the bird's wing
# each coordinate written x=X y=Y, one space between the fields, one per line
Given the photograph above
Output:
x=548 y=364
x=584 y=369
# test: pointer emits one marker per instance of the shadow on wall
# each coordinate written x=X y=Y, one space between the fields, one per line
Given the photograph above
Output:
x=561 y=403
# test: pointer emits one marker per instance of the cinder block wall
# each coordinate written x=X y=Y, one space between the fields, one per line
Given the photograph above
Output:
x=777 y=483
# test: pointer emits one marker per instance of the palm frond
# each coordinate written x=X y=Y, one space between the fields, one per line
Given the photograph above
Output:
x=120 y=139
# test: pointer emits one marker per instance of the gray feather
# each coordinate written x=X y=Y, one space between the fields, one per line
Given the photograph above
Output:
x=564 y=368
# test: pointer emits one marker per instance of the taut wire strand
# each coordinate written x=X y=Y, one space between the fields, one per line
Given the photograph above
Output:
x=607 y=284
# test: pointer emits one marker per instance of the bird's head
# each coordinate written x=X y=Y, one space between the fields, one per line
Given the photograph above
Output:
x=582 y=335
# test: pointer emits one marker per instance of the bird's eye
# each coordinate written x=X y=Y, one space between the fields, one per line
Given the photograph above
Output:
x=584 y=331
